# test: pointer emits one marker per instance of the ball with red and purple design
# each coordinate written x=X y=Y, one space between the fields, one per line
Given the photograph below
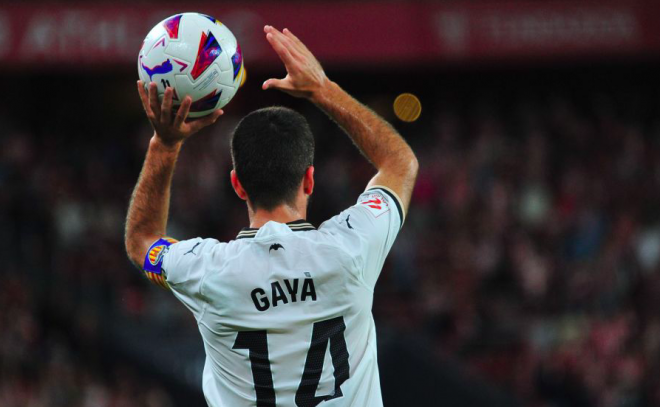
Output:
x=196 y=55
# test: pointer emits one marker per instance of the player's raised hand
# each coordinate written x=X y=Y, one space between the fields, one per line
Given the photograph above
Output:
x=305 y=76
x=171 y=128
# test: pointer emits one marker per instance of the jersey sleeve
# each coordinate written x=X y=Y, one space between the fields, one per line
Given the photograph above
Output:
x=367 y=230
x=181 y=267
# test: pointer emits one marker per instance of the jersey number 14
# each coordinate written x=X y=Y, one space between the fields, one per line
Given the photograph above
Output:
x=331 y=331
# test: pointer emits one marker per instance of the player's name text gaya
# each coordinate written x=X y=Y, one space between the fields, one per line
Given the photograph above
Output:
x=284 y=292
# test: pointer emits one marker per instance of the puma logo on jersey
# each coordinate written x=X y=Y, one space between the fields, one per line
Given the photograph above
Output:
x=276 y=247
x=193 y=249
x=278 y=295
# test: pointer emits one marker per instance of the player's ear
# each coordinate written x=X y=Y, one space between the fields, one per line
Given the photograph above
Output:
x=308 y=180
x=236 y=184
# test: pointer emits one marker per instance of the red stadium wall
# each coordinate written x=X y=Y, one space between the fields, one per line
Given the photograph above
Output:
x=365 y=33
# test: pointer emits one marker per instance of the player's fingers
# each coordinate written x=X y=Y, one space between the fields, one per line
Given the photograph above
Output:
x=199 y=124
x=182 y=113
x=294 y=49
x=281 y=50
x=291 y=35
x=295 y=41
x=276 y=40
x=305 y=54
x=275 y=84
x=145 y=100
x=153 y=99
x=166 y=107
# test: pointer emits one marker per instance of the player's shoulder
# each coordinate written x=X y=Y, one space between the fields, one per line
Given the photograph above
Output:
x=380 y=200
x=194 y=246
x=377 y=209
x=198 y=248
x=196 y=255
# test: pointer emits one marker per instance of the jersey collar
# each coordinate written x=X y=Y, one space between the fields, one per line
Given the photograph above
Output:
x=296 y=226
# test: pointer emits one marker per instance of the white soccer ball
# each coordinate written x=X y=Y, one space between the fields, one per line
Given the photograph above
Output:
x=196 y=55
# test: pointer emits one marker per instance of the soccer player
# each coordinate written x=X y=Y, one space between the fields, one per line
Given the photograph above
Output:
x=285 y=309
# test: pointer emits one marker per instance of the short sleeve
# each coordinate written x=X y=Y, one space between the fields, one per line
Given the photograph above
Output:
x=184 y=265
x=367 y=230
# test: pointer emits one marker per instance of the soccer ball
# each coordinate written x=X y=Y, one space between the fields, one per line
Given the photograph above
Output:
x=196 y=55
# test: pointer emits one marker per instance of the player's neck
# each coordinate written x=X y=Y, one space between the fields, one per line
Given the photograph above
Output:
x=281 y=214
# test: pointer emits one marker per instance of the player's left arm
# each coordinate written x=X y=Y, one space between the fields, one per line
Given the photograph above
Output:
x=148 y=210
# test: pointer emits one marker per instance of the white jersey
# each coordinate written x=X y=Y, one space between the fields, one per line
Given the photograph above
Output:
x=285 y=310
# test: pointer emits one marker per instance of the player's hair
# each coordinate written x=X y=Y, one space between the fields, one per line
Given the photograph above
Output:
x=271 y=149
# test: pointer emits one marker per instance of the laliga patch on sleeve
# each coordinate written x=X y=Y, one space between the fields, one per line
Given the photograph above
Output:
x=153 y=262
x=375 y=203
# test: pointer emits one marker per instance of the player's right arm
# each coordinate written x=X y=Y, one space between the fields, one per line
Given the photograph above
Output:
x=146 y=222
x=394 y=160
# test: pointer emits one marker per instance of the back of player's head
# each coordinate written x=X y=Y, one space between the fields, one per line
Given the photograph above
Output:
x=271 y=149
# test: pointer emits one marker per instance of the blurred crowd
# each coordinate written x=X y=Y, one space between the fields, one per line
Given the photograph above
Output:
x=532 y=249
x=43 y=364
x=52 y=352
x=531 y=252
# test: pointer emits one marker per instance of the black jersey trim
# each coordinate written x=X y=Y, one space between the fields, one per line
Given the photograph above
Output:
x=299 y=225
x=394 y=199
